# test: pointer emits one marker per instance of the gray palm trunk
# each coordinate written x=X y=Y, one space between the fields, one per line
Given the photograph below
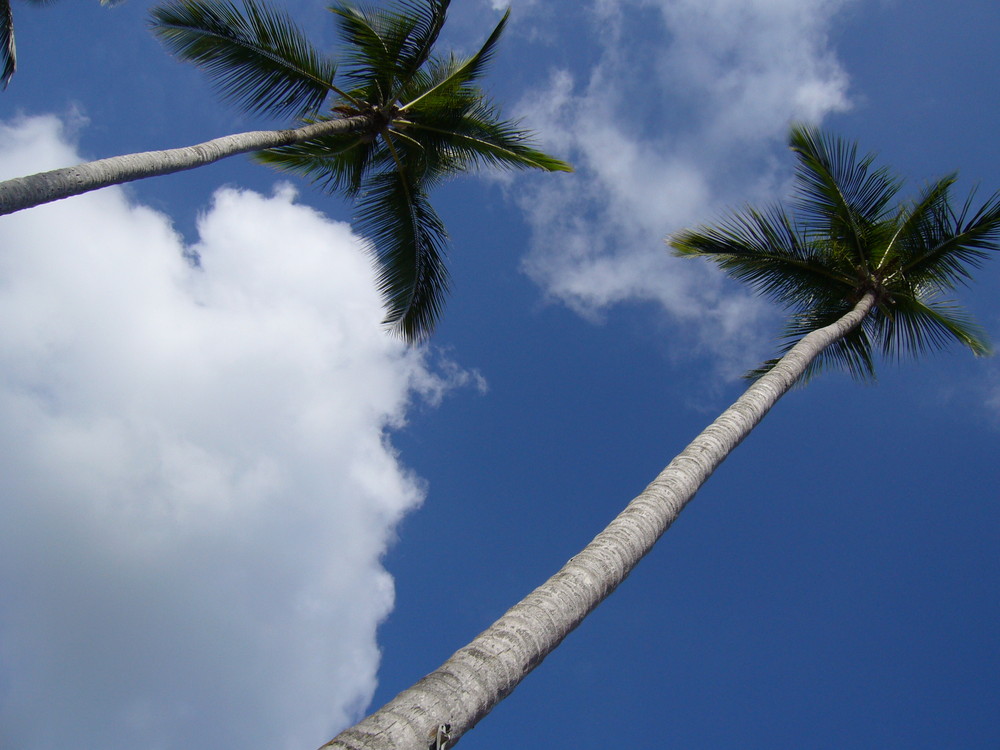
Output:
x=34 y=190
x=445 y=704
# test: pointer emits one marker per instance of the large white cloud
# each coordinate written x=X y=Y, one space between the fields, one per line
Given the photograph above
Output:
x=684 y=112
x=196 y=479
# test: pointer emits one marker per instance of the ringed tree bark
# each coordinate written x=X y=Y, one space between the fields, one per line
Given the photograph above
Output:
x=20 y=193
x=447 y=703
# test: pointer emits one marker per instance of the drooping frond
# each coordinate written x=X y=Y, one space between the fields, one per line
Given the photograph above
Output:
x=408 y=240
x=256 y=56
x=852 y=353
x=913 y=325
x=8 y=49
x=335 y=163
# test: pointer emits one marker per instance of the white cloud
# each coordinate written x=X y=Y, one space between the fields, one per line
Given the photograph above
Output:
x=196 y=477
x=684 y=113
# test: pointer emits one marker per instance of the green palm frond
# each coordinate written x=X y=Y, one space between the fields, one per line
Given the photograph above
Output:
x=766 y=250
x=408 y=240
x=428 y=19
x=256 y=56
x=454 y=74
x=846 y=242
x=911 y=326
x=336 y=163
x=852 y=353
x=477 y=137
x=948 y=244
x=910 y=222
x=840 y=197
x=386 y=47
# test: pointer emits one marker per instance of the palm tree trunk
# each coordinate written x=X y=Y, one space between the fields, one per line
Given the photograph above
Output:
x=25 y=192
x=451 y=700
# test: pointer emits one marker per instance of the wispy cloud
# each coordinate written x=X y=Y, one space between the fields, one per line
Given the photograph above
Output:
x=196 y=476
x=684 y=112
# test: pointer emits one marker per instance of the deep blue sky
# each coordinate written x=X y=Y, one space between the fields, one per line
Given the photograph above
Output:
x=834 y=585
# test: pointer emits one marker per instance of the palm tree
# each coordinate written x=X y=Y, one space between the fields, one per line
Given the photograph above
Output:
x=859 y=275
x=399 y=120
x=8 y=50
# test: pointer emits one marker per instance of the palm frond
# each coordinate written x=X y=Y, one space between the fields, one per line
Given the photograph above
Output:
x=948 y=244
x=840 y=197
x=8 y=49
x=765 y=250
x=912 y=326
x=910 y=222
x=335 y=163
x=478 y=138
x=408 y=242
x=368 y=58
x=428 y=18
x=455 y=74
x=256 y=57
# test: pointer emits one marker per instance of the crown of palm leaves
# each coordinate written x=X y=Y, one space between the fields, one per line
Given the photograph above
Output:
x=428 y=120
x=846 y=237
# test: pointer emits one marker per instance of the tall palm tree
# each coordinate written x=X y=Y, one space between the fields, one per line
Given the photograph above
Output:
x=398 y=121
x=859 y=274
x=8 y=50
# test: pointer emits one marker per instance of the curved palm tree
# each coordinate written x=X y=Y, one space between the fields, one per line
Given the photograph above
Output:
x=8 y=50
x=859 y=274
x=401 y=120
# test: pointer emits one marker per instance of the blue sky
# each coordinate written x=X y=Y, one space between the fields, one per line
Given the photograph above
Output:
x=235 y=512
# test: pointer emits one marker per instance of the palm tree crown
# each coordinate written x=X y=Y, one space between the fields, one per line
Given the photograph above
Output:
x=848 y=238
x=8 y=49
x=427 y=119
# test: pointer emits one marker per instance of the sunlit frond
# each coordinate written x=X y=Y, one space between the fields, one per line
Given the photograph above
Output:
x=255 y=56
x=847 y=241
x=454 y=74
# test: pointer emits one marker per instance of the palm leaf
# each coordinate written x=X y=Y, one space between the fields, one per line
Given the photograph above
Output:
x=454 y=74
x=476 y=137
x=765 y=250
x=909 y=223
x=912 y=326
x=840 y=198
x=335 y=163
x=256 y=57
x=948 y=244
x=428 y=18
x=8 y=49
x=370 y=54
x=408 y=241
